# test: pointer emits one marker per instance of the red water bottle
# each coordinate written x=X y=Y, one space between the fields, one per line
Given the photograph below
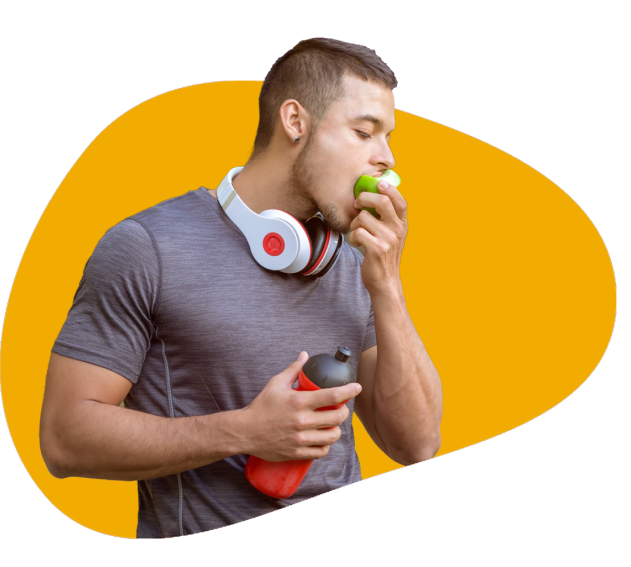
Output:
x=282 y=479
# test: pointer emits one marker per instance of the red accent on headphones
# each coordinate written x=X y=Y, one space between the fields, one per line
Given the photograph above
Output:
x=326 y=245
x=298 y=223
x=273 y=244
x=277 y=240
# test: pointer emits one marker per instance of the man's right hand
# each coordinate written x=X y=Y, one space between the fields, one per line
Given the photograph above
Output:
x=282 y=424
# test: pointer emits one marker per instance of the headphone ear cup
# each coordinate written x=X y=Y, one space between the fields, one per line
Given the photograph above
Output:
x=326 y=246
x=334 y=253
x=303 y=253
x=319 y=234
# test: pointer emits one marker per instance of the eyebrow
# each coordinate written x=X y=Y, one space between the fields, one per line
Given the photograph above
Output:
x=370 y=118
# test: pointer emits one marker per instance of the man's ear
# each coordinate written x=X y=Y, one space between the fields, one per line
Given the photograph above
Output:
x=295 y=120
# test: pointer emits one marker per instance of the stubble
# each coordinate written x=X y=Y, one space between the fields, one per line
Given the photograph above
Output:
x=304 y=184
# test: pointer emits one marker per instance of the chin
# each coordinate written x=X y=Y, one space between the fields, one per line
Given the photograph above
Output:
x=334 y=219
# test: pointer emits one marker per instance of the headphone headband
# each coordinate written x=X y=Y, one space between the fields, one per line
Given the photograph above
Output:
x=274 y=243
x=277 y=240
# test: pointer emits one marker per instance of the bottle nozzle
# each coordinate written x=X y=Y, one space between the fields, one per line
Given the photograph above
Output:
x=343 y=353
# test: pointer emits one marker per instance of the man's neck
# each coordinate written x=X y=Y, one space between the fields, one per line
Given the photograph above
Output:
x=265 y=184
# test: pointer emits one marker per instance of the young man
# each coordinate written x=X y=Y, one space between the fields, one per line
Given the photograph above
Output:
x=175 y=317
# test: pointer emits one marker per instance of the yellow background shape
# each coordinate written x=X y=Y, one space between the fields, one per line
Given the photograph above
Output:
x=507 y=281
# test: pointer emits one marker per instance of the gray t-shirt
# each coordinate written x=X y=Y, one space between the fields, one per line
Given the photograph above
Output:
x=173 y=300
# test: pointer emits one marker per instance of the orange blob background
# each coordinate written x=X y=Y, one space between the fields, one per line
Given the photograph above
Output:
x=506 y=279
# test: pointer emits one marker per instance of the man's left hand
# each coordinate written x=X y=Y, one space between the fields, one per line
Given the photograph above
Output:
x=383 y=239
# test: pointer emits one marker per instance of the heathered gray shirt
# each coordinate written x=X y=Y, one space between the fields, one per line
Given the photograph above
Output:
x=173 y=300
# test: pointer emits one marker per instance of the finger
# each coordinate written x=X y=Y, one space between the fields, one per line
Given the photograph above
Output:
x=367 y=222
x=311 y=453
x=319 y=437
x=398 y=202
x=381 y=203
x=326 y=417
x=332 y=396
x=351 y=236
x=331 y=417
x=288 y=376
x=361 y=237
x=370 y=223
x=393 y=206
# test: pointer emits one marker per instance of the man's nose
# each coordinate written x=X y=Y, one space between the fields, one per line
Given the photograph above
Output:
x=385 y=157
x=390 y=160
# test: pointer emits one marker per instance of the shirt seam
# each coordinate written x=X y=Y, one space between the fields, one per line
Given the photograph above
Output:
x=160 y=271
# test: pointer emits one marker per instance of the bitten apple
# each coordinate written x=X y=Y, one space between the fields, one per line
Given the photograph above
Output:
x=368 y=183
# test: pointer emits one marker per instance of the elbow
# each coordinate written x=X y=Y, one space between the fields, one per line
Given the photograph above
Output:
x=56 y=471
x=53 y=456
x=55 y=466
x=423 y=451
x=430 y=449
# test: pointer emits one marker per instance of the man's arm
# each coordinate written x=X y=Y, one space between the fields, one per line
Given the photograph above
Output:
x=401 y=407
x=84 y=432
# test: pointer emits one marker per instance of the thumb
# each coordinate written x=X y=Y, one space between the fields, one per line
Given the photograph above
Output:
x=288 y=376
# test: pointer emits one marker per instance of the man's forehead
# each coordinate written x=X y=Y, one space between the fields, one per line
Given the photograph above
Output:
x=367 y=101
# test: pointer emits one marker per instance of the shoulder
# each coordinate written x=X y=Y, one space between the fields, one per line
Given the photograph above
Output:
x=179 y=208
x=128 y=229
x=182 y=220
x=124 y=269
x=128 y=237
x=126 y=253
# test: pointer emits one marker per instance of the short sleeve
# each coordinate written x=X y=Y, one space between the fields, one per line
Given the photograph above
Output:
x=110 y=323
x=370 y=338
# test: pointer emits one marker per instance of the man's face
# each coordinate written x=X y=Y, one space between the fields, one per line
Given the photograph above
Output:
x=352 y=140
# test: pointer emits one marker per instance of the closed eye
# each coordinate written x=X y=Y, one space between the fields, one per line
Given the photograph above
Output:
x=362 y=135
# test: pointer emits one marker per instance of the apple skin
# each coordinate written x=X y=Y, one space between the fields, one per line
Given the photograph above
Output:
x=368 y=183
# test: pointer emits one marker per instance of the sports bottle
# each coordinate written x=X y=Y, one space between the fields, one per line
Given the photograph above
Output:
x=282 y=479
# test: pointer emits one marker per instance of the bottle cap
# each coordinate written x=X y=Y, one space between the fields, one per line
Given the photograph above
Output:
x=329 y=371
x=343 y=353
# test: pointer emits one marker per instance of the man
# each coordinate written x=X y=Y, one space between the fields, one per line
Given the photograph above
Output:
x=175 y=317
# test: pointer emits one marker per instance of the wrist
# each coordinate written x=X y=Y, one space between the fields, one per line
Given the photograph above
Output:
x=244 y=431
x=228 y=431
x=387 y=292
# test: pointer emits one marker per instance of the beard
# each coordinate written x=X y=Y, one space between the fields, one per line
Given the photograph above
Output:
x=332 y=218
x=303 y=182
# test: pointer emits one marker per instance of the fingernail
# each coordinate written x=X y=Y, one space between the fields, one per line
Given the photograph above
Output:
x=300 y=355
x=383 y=184
x=359 y=388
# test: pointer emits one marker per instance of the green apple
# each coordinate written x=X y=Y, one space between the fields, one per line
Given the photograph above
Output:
x=368 y=183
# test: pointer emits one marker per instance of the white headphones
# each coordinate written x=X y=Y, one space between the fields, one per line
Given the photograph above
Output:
x=279 y=241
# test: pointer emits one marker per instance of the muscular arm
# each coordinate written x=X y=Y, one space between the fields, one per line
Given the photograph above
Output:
x=401 y=407
x=84 y=432
x=401 y=404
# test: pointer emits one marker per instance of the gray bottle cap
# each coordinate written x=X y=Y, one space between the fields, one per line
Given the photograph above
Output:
x=329 y=371
x=343 y=353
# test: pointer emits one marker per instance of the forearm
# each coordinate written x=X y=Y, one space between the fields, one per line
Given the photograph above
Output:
x=97 y=440
x=407 y=395
x=85 y=433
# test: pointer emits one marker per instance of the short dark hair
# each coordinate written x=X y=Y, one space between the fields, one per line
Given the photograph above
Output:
x=312 y=73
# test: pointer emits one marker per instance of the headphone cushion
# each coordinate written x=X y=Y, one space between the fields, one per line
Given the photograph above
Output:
x=331 y=262
x=319 y=234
